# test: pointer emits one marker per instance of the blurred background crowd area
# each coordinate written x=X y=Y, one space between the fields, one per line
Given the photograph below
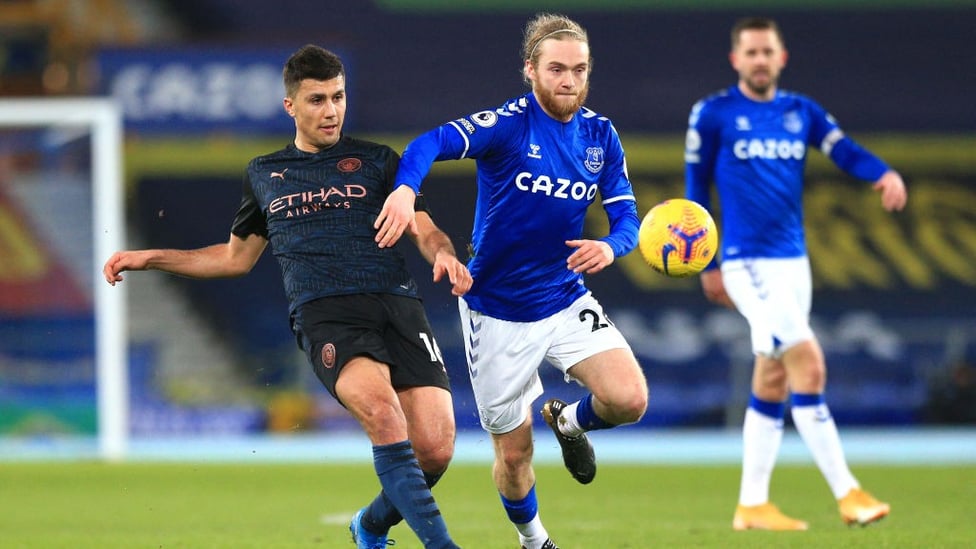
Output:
x=199 y=86
x=881 y=64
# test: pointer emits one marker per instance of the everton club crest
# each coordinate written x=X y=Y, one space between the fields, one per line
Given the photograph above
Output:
x=594 y=159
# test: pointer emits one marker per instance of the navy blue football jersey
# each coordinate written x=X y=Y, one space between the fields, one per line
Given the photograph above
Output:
x=317 y=210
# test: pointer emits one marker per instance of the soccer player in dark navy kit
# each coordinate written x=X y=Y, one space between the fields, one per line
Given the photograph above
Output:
x=542 y=159
x=354 y=307
x=751 y=140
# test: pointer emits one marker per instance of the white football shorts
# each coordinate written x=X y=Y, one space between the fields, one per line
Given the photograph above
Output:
x=774 y=295
x=504 y=357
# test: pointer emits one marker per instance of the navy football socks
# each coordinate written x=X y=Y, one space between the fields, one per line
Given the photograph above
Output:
x=381 y=514
x=406 y=488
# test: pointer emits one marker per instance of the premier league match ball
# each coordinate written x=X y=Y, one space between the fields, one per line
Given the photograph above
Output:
x=678 y=238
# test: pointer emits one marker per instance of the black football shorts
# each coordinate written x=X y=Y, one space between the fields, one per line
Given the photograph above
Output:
x=389 y=328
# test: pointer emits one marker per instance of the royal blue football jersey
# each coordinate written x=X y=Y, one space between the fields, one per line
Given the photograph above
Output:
x=536 y=178
x=755 y=153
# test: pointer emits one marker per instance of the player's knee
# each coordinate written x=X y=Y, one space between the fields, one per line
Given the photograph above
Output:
x=809 y=380
x=773 y=380
x=513 y=460
x=632 y=408
x=383 y=422
x=436 y=457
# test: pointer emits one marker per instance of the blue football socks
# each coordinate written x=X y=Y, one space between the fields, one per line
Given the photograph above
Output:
x=587 y=417
x=381 y=514
x=406 y=488
x=523 y=510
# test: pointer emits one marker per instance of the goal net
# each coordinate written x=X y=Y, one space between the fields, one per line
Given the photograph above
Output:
x=63 y=330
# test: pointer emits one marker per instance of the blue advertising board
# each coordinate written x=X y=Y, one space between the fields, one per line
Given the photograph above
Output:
x=197 y=90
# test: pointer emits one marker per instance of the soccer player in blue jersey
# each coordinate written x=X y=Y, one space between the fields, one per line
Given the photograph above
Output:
x=354 y=307
x=542 y=159
x=751 y=140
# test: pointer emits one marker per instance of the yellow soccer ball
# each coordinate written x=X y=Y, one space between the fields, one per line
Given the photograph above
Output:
x=678 y=238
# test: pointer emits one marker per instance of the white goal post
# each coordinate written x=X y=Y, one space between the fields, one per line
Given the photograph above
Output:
x=104 y=118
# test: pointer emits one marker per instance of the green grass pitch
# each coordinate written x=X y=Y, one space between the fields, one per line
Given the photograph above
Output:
x=268 y=506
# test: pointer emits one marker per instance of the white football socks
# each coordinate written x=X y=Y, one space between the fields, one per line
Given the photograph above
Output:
x=532 y=534
x=819 y=432
x=568 y=424
x=761 y=439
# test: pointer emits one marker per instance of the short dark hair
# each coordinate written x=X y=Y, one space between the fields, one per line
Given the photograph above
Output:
x=313 y=62
x=755 y=23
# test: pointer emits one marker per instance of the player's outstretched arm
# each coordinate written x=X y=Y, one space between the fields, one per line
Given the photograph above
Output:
x=235 y=257
x=892 y=189
x=396 y=216
x=436 y=247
